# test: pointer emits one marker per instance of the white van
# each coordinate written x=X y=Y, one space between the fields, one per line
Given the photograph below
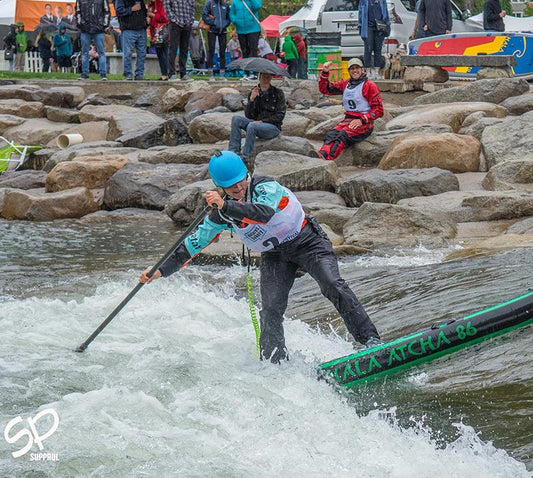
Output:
x=341 y=16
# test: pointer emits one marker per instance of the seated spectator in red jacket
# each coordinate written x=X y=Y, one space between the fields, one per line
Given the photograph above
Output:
x=362 y=104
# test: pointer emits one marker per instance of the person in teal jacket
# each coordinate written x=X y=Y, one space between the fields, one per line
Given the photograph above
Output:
x=268 y=218
x=63 y=47
x=291 y=55
x=244 y=14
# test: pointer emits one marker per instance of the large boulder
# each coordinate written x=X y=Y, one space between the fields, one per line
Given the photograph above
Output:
x=28 y=179
x=475 y=124
x=149 y=186
x=89 y=171
x=63 y=96
x=391 y=186
x=452 y=114
x=121 y=119
x=297 y=172
x=516 y=174
x=185 y=153
x=36 y=205
x=385 y=225
x=473 y=206
x=91 y=132
x=187 y=203
x=203 y=100
x=25 y=109
x=36 y=131
x=210 y=127
x=490 y=90
x=516 y=105
x=8 y=121
x=454 y=152
x=370 y=151
x=287 y=144
x=295 y=124
x=508 y=140
x=97 y=148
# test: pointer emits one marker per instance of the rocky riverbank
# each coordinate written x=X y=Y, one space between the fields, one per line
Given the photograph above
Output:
x=452 y=167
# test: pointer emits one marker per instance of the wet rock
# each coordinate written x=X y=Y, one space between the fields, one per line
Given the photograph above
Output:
x=518 y=105
x=297 y=172
x=515 y=175
x=24 y=109
x=397 y=226
x=149 y=185
x=187 y=203
x=89 y=171
x=391 y=186
x=36 y=205
x=61 y=115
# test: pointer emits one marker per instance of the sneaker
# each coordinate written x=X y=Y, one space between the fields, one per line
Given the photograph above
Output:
x=186 y=78
x=140 y=78
x=103 y=77
x=373 y=342
x=83 y=77
x=253 y=77
x=173 y=77
x=128 y=78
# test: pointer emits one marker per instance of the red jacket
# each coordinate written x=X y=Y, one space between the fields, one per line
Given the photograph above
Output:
x=300 y=45
x=370 y=91
x=160 y=19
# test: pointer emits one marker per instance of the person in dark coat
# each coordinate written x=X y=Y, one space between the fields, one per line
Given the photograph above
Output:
x=216 y=15
x=436 y=17
x=45 y=51
x=10 y=44
x=493 y=16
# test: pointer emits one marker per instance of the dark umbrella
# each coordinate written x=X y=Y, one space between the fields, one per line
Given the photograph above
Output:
x=259 y=65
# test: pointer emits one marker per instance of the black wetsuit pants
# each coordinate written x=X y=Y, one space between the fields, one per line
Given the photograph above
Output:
x=311 y=251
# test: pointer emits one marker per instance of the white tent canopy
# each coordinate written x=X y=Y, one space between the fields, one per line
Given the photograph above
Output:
x=7 y=12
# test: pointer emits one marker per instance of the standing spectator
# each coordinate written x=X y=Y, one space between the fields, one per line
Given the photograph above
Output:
x=361 y=100
x=291 y=55
x=264 y=50
x=22 y=45
x=10 y=45
x=92 y=18
x=436 y=17
x=302 y=56
x=418 y=31
x=158 y=20
x=216 y=14
x=180 y=13
x=493 y=16
x=45 y=50
x=244 y=15
x=234 y=47
x=262 y=118
x=63 y=47
x=196 y=49
x=132 y=16
x=374 y=24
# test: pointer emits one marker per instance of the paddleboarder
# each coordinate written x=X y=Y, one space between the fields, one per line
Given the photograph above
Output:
x=268 y=218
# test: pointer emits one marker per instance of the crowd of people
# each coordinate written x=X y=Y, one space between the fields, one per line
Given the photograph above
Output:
x=164 y=27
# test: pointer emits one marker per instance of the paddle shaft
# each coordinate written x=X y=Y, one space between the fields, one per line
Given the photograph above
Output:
x=138 y=287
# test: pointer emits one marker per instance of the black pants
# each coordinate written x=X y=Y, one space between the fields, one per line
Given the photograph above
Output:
x=179 y=38
x=312 y=251
x=248 y=43
x=211 y=40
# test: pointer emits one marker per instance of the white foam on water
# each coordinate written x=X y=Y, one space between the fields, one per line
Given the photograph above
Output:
x=173 y=387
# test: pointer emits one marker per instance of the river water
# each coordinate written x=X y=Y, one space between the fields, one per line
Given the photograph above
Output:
x=173 y=386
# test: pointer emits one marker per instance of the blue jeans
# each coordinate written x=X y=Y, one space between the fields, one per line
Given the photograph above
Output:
x=100 y=49
x=373 y=45
x=253 y=130
x=134 y=39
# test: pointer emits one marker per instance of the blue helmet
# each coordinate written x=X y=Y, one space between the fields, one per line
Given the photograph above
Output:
x=226 y=168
